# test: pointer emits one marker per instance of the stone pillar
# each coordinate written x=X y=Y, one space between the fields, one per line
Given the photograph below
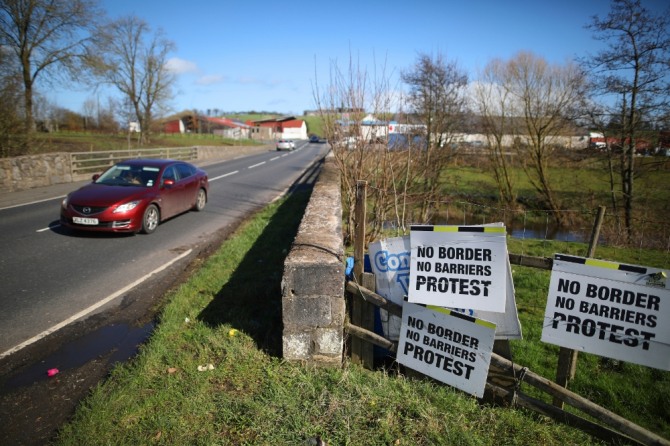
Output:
x=313 y=303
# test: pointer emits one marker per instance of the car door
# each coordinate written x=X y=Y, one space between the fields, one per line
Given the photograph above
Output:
x=170 y=192
x=187 y=185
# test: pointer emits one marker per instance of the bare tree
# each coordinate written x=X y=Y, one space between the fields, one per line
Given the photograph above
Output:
x=91 y=113
x=495 y=108
x=633 y=69
x=47 y=38
x=131 y=58
x=546 y=98
x=437 y=98
x=392 y=176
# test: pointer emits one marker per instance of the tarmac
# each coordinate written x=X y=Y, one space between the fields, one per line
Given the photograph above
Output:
x=56 y=191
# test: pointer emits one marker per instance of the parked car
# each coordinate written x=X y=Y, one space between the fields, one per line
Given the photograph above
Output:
x=314 y=139
x=285 y=144
x=135 y=196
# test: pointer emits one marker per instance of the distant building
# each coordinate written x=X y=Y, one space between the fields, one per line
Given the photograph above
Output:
x=286 y=127
x=190 y=123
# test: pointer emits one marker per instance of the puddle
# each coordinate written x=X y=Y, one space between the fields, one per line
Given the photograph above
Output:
x=119 y=339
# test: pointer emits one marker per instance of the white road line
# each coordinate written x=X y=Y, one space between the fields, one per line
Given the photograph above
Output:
x=224 y=175
x=256 y=165
x=48 y=228
x=32 y=202
x=275 y=158
x=92 y=308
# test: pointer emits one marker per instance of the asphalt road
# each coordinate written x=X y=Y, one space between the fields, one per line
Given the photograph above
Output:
x=51 y=277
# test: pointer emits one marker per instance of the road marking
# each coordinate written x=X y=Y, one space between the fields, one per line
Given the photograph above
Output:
x=32 y=202
x=93 y=307
x=275 y=158
x=49 y=228
x=224 y=175
x=256 y=165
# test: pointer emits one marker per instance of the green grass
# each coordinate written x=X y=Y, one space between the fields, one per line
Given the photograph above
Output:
x=229 y=315
x=93 y=142
x=314 y=125
x=640 y=394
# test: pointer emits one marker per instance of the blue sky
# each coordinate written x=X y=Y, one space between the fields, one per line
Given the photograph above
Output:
x=269 y=55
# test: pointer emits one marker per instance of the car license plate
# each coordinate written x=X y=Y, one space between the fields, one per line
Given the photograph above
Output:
x=85 y=221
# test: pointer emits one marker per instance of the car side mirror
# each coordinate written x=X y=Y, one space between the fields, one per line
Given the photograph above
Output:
x=95 y=177
x=168 y=183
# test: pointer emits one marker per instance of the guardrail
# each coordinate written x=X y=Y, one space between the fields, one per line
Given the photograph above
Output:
x=82 y=163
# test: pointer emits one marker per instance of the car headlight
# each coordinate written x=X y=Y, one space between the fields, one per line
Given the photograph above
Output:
x=64 y=202
x=127 y=206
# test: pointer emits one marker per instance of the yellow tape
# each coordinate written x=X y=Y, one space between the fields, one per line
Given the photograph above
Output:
x=601 y=263
x=445 y=228
x=457 y=228
x=483 y=323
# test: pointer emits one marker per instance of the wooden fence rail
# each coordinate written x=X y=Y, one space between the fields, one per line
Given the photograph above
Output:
x=624 y=431
x=93 y=162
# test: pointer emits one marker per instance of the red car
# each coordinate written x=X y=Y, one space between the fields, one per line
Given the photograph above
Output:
x=135 y=196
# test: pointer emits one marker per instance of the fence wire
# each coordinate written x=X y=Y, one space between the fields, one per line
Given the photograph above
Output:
x=541 y=224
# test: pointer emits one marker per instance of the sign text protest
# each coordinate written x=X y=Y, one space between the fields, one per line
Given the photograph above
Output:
x=447 y=346
x=459 y=267
x=613 y=310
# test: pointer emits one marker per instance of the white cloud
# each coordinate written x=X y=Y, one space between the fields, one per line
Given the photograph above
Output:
x=210 y=79
x=180 y=66
x=249 y=80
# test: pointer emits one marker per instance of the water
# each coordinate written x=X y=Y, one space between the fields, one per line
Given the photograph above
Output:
x=121 y=340
x=544 y=232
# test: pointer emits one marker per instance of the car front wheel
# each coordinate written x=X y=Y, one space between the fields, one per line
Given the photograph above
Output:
x=150 y=219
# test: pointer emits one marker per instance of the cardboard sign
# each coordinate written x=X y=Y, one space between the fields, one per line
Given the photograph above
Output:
x=459 y=267
x=390 y=261
x=447 y=346
x=609 y=309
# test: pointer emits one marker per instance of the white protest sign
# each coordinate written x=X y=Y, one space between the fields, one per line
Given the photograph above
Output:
x=390 y=261
x=447 y=346
x=459 y=267
x=609 y=309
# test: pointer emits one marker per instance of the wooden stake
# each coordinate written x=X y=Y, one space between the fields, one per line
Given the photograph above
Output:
x=357 y=354
x=567 y=357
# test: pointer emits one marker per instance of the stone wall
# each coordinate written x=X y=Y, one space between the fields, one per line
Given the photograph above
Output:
x=313 y=283
x=26 y=172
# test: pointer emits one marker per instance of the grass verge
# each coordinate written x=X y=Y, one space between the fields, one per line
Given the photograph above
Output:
x=229 y=315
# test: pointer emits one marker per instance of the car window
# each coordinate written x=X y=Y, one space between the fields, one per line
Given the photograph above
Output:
x=149 y=175
x=185 y=170
x=121 y=175
x=170 y=174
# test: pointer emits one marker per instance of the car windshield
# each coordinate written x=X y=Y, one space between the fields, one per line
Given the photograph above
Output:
x=126 y=175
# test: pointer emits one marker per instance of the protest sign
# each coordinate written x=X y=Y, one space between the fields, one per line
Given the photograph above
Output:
x=446 y=345
x=459 y=267
x=610 y=309
x=390 y=261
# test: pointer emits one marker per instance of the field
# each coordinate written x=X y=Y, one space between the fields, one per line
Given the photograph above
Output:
x=229 y=315
x=580 y=180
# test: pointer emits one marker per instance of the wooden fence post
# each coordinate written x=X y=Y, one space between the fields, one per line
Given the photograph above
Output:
x=567 y=357
x=362 y=313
